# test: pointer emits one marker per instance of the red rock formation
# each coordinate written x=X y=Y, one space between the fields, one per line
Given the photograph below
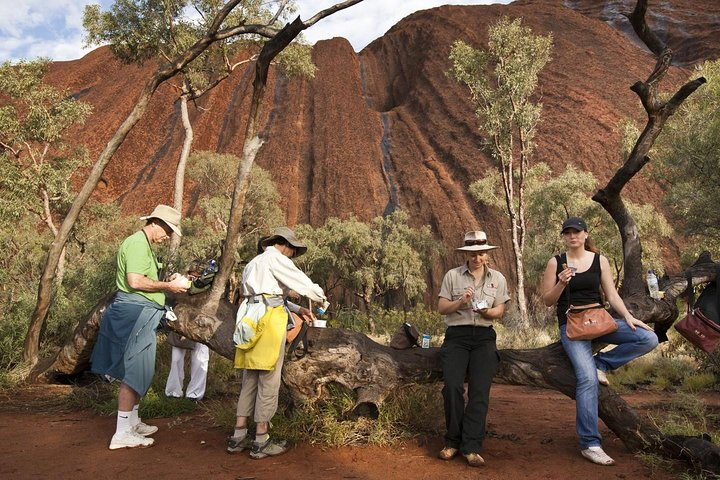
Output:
x=386 y=127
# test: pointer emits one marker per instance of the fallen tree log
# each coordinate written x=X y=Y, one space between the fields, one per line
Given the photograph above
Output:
x=373 y=371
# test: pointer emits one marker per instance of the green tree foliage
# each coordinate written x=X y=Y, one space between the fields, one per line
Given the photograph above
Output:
x=501 y=81
x=688 y=154
x=97 y=235
x=90 y=274
x=138 y=31
x=214 y=176
x=371 y=260
x=35 y=162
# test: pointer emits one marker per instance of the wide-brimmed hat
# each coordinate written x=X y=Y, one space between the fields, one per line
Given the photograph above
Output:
x=167 y=214
x=287 y=234
x=574 y=222
x=476 y=242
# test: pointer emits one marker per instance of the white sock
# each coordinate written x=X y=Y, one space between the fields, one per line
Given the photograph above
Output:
x=134 y=416
x=262 y=438
x=240 y=432
x=123 y=422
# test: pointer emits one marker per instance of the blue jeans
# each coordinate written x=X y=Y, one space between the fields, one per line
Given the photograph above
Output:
x=630 y=345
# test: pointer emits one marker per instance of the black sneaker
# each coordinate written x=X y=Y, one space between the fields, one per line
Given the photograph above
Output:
x=269 y=448
x=237 y=444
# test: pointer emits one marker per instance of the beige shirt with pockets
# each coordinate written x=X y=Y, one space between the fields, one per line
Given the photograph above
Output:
x=492 y=289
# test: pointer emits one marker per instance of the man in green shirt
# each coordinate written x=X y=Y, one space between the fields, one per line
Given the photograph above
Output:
x=126 y=343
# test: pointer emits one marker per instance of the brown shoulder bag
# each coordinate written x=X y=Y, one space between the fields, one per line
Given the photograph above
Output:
x=588 y=322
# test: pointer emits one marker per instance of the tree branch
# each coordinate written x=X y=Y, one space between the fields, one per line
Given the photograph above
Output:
x=649 y=38
x=658 y=113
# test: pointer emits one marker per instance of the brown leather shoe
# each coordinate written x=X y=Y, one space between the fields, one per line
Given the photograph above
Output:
x=448 y=453
x=475 y=460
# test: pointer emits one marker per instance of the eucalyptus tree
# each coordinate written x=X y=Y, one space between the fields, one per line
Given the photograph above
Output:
x=502 y=80
x=36 y=163
x=370 y=260
x=221 y=25
x=252 y=144
x=688 y=154
x=553 y=196
x=157 y=30
x=205 y=231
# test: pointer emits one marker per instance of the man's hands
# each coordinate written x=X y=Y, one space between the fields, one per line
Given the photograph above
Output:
x=178 y=283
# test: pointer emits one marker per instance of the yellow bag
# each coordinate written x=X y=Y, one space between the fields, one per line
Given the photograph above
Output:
x=263 y=351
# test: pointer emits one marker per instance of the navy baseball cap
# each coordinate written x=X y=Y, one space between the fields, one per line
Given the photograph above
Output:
x=574 y=222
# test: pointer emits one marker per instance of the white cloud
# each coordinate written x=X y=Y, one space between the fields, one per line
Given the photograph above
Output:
x=53 y=28
x=364 y=22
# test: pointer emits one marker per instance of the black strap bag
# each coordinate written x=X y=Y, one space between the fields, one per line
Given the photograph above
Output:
x=406 y=336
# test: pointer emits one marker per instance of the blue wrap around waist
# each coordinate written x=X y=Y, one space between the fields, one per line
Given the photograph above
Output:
x=126 y=343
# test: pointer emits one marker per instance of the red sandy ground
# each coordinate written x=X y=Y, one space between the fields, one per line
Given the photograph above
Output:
x=531 y=436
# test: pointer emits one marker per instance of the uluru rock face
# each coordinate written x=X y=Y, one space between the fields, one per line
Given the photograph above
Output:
x=386 y=128
x=691 y=28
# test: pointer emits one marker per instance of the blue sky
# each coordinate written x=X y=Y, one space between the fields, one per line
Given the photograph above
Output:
x=53 y=28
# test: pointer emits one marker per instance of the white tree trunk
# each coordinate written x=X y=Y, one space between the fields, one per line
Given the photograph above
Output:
x=182 y=163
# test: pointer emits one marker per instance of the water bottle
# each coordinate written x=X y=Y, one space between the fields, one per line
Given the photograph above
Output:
x=653 y=287
x=322 y=309
x=211 y=268
x=425 y=341
x=207 y=275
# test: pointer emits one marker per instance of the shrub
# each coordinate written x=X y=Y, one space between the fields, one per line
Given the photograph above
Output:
x=698 y=382
x=404 y=414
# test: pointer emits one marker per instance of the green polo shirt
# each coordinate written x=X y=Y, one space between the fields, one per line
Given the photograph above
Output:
x=136 y=256
x=492 y=289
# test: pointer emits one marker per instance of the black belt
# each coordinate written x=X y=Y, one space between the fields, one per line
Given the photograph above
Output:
x=473 y=326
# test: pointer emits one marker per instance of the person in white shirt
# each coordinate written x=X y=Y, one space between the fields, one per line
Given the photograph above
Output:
x=266 y=280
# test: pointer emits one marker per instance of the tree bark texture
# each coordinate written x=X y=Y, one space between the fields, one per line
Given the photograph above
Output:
x=182 y=164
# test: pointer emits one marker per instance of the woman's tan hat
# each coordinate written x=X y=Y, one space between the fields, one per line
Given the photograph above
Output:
x=289 y=235
x=476 y=242
x=167 y=214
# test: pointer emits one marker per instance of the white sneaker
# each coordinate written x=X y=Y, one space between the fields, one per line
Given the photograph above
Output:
x=602 y=378
x=144 y=429
x=597 y=455
x=129 y=439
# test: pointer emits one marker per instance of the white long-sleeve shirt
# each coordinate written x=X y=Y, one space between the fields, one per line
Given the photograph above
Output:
x=272 y=273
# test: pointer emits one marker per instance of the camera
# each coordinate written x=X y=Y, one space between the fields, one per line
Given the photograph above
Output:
x=478 y=305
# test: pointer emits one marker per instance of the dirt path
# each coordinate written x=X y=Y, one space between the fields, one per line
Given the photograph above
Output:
x=531 y=436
